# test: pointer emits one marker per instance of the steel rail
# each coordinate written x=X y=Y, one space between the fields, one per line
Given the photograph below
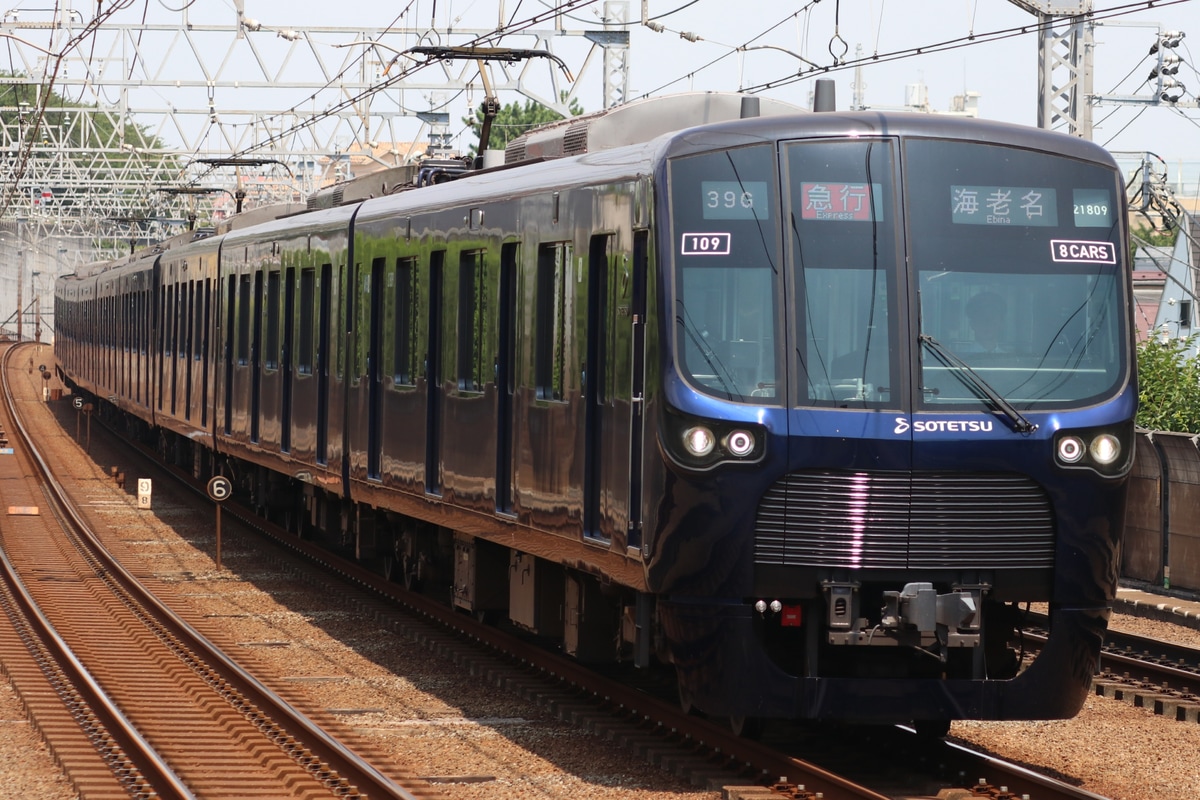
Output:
x=334 y=755
x=153 y=768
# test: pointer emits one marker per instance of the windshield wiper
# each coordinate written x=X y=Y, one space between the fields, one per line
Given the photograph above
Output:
x=1015 y=419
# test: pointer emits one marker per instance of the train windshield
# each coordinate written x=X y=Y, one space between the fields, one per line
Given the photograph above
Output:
x=1017 y=260
x=726 y=239
x=1010 y=294
x=844 y=243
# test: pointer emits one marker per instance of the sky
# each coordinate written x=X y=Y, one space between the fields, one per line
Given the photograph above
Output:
x=1003 y=71
x=762 y=45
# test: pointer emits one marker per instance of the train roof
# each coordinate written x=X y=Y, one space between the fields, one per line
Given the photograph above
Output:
x=893 y=123
x=612 y=145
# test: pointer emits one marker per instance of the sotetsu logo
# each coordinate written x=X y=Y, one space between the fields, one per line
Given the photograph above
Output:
x=942 y=426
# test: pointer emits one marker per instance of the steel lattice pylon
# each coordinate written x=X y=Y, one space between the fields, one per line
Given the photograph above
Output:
x=214 y=85
x=1065 y=51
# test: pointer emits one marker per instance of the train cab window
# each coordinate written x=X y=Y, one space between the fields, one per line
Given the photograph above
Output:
x=1019 y=264
x=844 y=248
x=725 y=216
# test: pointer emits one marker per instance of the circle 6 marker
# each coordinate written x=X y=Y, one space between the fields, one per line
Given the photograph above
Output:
x=219 y=488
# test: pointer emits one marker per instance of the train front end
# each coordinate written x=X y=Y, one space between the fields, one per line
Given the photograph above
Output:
x=896 y=408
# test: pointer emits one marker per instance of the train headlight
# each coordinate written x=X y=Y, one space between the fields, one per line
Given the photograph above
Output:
x=703 y=443
x=699 y=441
x=740 y=443
x=1105 y=449
x=1070 y=449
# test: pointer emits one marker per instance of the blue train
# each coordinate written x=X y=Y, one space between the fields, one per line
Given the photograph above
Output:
x=808 y=405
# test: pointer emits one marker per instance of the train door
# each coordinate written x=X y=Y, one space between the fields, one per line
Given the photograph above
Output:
x=172 y=359
x=256 y=362
x=285 y=360
x=636 y=297
x=205 y=342
x=595 y=379
x=433 y=375
x=505 y=370
x=227 y=336
x=323 y=323
x=189 y=346
x=375 y=372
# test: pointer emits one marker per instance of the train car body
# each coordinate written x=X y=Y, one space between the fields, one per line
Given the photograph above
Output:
x=806 y=405
x=108 y=346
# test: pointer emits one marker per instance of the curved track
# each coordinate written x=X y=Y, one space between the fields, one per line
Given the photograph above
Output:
x=153 y=708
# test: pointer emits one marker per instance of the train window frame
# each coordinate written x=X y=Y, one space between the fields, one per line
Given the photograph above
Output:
x=271 y=336
x=187 y=321
x=307 y=307
x=406 y=296
x=722 y=243
x=550 y=320
x=200 y=315
x=242 y=335
x=472 y=320
x=846 y=190
x=1062 y=345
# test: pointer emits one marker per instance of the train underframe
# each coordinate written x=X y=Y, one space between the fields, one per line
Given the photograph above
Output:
x=588 y=618
x=921 y=652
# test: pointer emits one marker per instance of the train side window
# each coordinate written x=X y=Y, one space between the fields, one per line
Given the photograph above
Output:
x=168 y=328
x=187 y=322
x=405 y=298
x=201 y=311
x=271 y=348
x=178 y=331
x=472 y=313
x=243 y=316
x=551 y=320
x=308 y=295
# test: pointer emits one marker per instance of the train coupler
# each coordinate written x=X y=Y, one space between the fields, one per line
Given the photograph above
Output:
x=915 y=616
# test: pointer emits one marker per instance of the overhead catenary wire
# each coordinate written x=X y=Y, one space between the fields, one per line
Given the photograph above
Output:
x=967 y=40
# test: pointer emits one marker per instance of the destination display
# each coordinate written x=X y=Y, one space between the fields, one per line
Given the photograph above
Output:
x=841 y=202
x=1024 y=206
x=735 y=200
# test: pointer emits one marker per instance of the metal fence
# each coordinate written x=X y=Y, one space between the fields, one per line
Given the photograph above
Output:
x=1162 y=520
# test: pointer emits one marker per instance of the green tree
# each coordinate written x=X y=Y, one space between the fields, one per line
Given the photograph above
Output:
x=514 y=119
x=1168 y=385
x=1144 y=234
x=67 y=136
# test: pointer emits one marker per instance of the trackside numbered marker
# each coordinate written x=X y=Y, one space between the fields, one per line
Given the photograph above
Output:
x=220 y=489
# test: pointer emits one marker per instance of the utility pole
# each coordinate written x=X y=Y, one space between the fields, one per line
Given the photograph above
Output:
x=1164 y=85
x=20 y=272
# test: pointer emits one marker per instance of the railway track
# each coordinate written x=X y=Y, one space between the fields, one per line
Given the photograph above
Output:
x=899 y=764
x=132 y=699
x=1147 y=673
